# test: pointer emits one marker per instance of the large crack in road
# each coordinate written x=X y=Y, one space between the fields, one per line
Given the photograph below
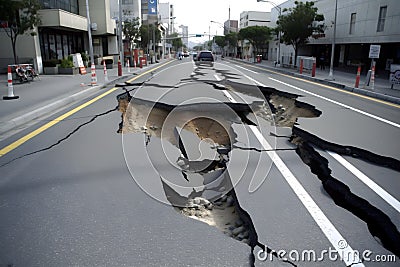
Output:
x=222 y=208
x=212 y=197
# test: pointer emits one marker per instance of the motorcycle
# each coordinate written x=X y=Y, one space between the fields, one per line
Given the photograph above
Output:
x=21 y=74
x=31 y=73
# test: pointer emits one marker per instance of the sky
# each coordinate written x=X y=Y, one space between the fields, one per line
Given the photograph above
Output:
x=197 y=14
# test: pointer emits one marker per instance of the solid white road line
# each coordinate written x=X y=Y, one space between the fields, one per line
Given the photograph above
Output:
x=338 y=103
x=246 y=69
x=346 y=253
x=217 y=77
x=367 y=181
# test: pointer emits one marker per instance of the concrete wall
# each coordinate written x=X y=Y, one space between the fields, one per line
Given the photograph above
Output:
x=100 y=14
x=61 y=18
x=28 y=51
x=367 y=14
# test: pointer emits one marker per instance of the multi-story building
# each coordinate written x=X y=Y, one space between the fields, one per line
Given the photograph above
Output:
x=254 y=18
x=63 y=31
x=166 y=16
x=248 y=19
x=359 y=24
x=150 y=11
x=230 y=26
x=131 y=9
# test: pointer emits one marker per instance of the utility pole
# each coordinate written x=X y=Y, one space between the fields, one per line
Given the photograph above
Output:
x=120 y=44
x=279 y=33
x=333 y=45
x=89 y=29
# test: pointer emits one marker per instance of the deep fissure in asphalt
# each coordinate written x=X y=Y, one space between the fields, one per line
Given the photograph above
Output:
x=286 y=109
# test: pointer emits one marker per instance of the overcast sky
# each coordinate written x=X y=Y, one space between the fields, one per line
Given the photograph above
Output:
x=197 y=14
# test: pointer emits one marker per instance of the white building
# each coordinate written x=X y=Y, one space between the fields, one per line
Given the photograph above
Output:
x=248 y=19
x=254 y=18
x=359 y=24
x=166 y=16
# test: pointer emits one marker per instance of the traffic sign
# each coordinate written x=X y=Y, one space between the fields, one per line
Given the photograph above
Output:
x=374 y=51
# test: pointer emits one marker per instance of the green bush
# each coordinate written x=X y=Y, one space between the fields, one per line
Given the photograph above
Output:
x=67 y=62
x=85 y=57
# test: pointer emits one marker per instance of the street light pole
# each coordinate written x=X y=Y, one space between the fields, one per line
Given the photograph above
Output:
x=279 y=33
x=223 y=27
x=333 y=45
x=120 y=44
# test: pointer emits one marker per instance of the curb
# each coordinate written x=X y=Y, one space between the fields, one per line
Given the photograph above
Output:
x=380 y=96
x=39 y=112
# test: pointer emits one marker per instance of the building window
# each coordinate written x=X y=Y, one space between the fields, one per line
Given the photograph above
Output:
x=67 y=5
x=59 y=44
x=381 y=20
x=352 y=23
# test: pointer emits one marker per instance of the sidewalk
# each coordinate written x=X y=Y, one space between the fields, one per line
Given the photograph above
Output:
x=39 y=98
x=342 y=80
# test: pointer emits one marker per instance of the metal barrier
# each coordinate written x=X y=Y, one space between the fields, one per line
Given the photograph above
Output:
x=307 y=62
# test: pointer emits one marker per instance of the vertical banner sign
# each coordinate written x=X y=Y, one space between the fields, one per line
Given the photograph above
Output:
x=152 y=7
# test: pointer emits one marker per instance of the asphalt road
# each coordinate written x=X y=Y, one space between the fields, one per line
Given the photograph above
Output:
x=81 y=193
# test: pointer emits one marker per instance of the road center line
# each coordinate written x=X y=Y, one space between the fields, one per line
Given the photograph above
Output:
x=41 y=129
x=367 y=181
x=348 y=255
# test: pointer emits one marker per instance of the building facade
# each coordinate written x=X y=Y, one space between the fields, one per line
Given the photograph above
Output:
x=359 y=24
x=248 y=19
x=63 y=31
x=254 y=18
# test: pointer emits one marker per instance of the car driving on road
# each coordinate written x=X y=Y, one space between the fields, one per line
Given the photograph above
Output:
x=205 y=58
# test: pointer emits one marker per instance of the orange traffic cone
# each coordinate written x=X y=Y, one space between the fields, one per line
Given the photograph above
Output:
x=93 y=81
x=10 y=94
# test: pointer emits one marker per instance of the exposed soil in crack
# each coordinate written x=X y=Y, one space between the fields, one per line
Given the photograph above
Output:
x=140 y=115
x=224 y=212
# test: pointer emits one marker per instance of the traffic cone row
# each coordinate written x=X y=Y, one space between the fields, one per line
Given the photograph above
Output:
x=93 y=81
x=10 y=94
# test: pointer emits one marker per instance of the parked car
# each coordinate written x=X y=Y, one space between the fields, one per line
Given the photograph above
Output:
x=205 y=58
